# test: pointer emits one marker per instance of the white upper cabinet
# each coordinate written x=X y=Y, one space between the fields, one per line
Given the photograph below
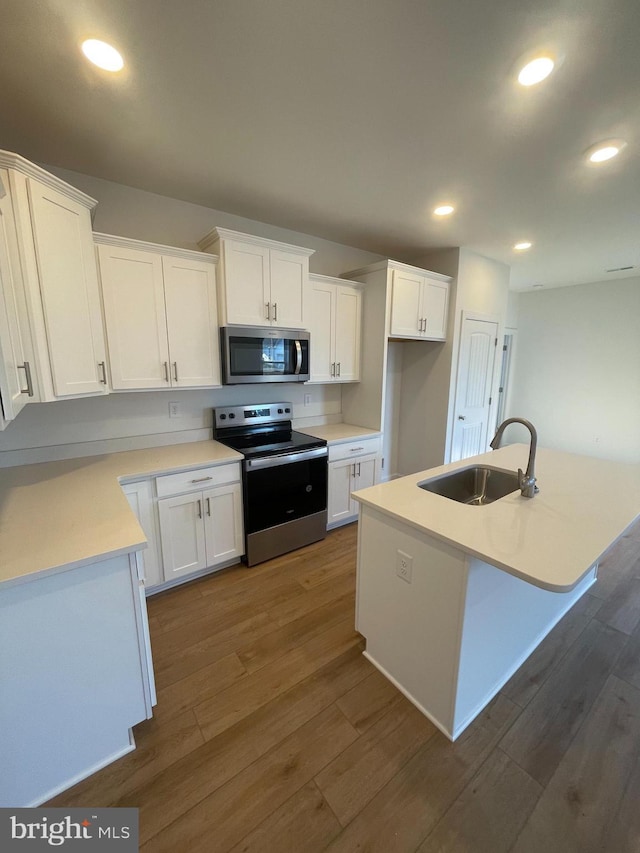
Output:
x=419 y=302
x=262 y=282
x=15 y=369
x=335 y=322
x=62 y=301
x=160 y=314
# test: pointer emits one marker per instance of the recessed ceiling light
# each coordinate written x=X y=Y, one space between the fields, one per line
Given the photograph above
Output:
x=102 y=55
x=536 y=70
x=444 y=210
x=523 y=246
x=605 y=150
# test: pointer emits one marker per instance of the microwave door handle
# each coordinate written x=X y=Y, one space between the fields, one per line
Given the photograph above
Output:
x=298 y=357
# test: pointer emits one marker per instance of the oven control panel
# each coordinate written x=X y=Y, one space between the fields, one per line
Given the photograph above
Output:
x=263 y=413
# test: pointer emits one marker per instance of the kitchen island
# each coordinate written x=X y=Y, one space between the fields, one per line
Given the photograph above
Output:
x=453 y=598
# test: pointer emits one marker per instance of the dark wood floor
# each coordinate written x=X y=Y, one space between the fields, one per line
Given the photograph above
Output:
x=274 y=734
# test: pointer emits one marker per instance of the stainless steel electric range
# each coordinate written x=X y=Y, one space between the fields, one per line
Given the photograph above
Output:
x=284 y=478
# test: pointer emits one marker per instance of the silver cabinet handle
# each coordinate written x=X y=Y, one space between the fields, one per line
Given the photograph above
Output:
x=208 y=506
x=333 y=368
x=355 y=449
x=199 y=508
x=420 y=324
x=425 y=325
x=175 y=370
x=359 y=464
x=275 y=311
x=338 y=368
x=267 y=306
x=166 y=371
x=103 y=367
x=202 y=479
x=353 y=469
x=27 y=372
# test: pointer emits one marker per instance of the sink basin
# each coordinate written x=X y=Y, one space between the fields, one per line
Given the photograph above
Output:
x=477 y=485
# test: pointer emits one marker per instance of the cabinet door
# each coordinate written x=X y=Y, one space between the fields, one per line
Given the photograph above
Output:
x=14 y=389
x=69 y=290
x=322 y=327
x=348 y=319
x=339 y=504
x=223 y=523
x=289 y=274
x=246 y=284
x=434 y=309
x=140 y=497
x=406 y=304
x=134 y=310
x=182 y=535
x=365 y=476
x=192 y=322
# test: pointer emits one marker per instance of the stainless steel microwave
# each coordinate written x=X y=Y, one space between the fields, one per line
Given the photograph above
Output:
x=264 y=355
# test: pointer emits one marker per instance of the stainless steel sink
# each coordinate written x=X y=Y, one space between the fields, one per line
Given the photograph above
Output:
x=477 y=485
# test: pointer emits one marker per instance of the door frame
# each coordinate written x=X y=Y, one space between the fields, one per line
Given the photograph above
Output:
x=453 y=395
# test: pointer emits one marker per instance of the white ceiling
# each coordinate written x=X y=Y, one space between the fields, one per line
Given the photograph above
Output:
x=350 y=119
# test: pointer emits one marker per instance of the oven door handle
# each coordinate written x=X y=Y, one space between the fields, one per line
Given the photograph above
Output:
x=298 y=358
x=285 y=458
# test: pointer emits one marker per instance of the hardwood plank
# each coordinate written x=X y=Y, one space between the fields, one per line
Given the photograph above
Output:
x=289 y=610
x=303 y=823
x=241 y=699
x=617 y=564
x=526 y=682
x=402 y=814
x=256 y=792
x=489 y=814
x=577 y=811
x=368 y=701
x=628 y=666
x=352 y=779
x=331 y=569
x=158 y=746
x=546 y=727
x=182 y=595
x=179 y=657
x=622 y=609
x=204 y=683
x=172 y=792
x=279 y=641
x=625 y=828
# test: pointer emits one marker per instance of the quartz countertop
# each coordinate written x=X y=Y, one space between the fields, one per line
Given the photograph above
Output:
x=56 y=515
x=551 y=540
x=338 y=433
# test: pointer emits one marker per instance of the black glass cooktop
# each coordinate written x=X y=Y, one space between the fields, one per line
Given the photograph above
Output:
x=268 y=441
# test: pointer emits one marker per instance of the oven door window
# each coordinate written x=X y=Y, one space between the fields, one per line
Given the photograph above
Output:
x=284 y=493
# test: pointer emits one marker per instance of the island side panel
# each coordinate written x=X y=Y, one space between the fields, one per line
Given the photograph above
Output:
x=413 y=630
x=505 y=619
x=72 y=684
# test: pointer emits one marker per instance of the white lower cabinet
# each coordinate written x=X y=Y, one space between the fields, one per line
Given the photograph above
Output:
x=352 y=466
x=141 y=501
x=201 y=529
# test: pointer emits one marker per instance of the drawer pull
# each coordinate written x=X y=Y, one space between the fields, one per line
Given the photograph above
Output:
x=202 y=479
x=355 y=449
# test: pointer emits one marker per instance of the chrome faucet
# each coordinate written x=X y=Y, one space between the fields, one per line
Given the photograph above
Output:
x=526 y=480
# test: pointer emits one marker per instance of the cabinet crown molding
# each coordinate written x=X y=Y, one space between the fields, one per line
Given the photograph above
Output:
x=158 y=248
x=217 y=234
x=395 y=265
x=330 y=279
x=9 y=160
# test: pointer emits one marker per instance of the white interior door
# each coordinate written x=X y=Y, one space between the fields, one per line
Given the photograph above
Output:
x=476 y=363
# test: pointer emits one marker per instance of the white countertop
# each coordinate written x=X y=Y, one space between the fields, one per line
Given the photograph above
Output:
x=339 y=433
x=68 y=513
x=551 y=540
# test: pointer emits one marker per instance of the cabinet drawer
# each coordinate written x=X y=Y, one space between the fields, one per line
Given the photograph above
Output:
x=197 y=479
x=357 y=447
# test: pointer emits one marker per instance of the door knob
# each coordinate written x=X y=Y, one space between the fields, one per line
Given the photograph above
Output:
x=461 y=418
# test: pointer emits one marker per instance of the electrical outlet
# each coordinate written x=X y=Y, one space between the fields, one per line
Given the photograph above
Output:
x=175 y=410
x=307 y=399
x=404 y=566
